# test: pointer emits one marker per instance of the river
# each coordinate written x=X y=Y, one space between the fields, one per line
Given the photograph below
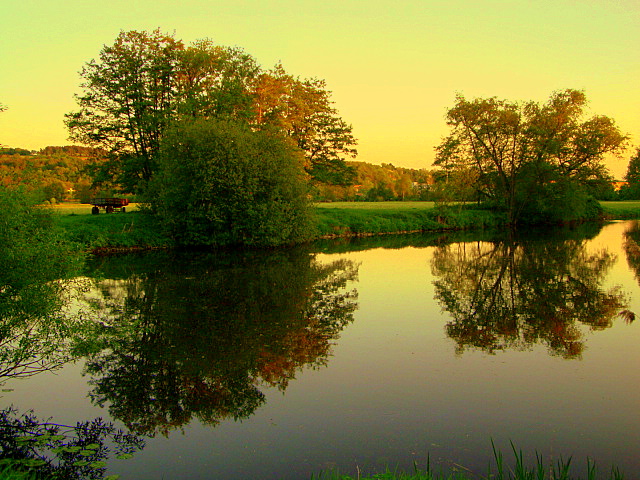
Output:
x=358 y=355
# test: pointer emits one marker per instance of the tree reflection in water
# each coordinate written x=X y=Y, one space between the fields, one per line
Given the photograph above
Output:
x=632 y=250
x=197 y=336
x=38 y=334
x=517 y=292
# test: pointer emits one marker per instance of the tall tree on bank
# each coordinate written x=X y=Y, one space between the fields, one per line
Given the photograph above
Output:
x=128 y=99
x=302 y=109
x=532 y=160
x=633 y=170
x=147 y=80
x=631 y=191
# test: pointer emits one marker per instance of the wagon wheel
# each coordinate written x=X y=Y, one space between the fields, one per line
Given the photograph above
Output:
x=95 y=210
x=109 y=209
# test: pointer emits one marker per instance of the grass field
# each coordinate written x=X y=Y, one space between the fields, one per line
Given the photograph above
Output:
x=82 y=208
x=622 y=210
x=376 y=205
x=337 y=219
x=622 y=205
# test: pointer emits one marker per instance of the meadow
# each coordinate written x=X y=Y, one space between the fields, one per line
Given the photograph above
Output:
x=109 y=232
x=621 y=210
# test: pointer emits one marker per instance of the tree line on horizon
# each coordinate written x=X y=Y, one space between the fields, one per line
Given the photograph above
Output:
x=63 y=173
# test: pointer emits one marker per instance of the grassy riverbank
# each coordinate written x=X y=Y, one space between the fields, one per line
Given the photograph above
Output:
x=361 y=218
x=113 y=231
x=622 y=210
x=110 y=232
x=134 y=229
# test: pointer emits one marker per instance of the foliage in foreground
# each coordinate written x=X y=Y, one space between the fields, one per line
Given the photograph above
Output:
x=36 y=267
x=32 y=448
x=37 y=264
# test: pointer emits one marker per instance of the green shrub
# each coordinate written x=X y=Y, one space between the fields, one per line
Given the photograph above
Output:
x=220 y=183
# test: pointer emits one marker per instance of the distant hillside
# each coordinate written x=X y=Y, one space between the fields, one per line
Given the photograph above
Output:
x=53 y=173
x=380 y=183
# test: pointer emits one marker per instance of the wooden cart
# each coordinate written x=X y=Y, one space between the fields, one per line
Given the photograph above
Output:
x=109 y=205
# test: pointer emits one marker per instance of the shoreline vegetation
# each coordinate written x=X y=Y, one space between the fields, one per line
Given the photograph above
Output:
x=135 y=231
x=500 y=469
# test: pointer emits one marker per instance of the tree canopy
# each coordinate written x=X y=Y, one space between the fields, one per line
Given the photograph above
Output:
x=147 y=80
x=532 y=160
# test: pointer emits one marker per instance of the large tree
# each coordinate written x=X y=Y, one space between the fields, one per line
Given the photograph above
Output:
x=303 y=110
x=631 y=191
x=147 y=80
x=633 y=169
x=215 y=81
x=128 y=99
x=531 y=159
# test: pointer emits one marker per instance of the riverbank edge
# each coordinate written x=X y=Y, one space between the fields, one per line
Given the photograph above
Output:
x=136 y=232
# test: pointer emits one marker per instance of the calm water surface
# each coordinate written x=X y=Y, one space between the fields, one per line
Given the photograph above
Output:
x=361 y=355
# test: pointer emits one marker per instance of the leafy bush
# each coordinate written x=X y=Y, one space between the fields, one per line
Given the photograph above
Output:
x=561 y=201
x=220 y=183
x=33 y=253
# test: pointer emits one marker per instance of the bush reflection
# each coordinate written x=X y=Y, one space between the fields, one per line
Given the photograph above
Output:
x=200 y=336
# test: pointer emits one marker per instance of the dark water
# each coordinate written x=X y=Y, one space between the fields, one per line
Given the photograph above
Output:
x=357 y=355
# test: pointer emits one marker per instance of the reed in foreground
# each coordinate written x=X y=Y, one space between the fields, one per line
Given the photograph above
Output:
x=561 y=470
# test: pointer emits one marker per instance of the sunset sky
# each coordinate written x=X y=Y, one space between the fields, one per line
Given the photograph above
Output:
x=394 y=67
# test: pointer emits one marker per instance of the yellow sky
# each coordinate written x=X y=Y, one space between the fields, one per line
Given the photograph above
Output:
x=394 y=67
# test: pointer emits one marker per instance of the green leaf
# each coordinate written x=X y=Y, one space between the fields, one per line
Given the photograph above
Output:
x=36 y=462
x=98 y=464
x=124 y=456
x=73 y=449
x=111 y=477
x=80 y=463
x=92 y=446
x=87 y=453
